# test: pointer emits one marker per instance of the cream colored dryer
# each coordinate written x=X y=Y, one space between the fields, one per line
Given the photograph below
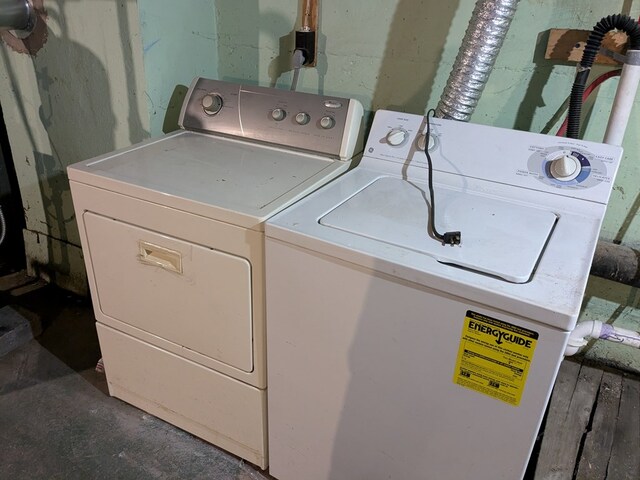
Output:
x=172 y=233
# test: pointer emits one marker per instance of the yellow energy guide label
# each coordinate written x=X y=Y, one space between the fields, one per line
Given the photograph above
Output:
x=494 y=357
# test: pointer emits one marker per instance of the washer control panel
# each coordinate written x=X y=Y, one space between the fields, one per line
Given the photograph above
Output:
x=315 y=123
x=560 y=165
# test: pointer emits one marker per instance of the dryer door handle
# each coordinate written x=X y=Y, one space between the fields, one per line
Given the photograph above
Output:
x=158 y=256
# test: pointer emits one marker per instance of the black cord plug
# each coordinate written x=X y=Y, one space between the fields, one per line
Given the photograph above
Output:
x=451 y=238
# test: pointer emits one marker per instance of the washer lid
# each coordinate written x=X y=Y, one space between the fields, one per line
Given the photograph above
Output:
x=225 y=179
x=498 y=238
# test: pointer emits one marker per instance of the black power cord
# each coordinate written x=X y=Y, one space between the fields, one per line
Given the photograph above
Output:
x=449 y=238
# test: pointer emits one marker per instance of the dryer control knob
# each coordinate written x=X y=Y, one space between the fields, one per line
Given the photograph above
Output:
x=422 y=142
x=397 y=137
x=212 y=103
x=302 y=118
x=565 y=168
x=278 y=114
x=327 y=122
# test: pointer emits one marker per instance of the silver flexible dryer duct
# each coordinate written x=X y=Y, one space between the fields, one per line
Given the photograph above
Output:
x=481 y=44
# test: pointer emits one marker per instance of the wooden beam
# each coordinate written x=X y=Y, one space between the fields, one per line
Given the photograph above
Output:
x=566 y=424
x=625 y=461
x=568 y=45
x=597 y=446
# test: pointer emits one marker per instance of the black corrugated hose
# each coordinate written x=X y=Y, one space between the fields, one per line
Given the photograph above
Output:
x=612 y=22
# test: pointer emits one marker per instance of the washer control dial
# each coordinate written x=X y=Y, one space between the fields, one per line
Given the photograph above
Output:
x=278 y=114
x=327 y=122
x=565 y=167
x=212 y=103
x=397 y=137
x=422 y=142
x=302 y=118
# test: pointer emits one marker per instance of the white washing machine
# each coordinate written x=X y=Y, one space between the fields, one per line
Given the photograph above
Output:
x=393 y=356
x=172 y=234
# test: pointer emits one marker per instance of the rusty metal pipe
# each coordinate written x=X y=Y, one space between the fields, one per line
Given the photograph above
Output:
x=616 y=262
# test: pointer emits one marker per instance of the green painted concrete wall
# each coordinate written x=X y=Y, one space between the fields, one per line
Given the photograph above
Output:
x=179 y=44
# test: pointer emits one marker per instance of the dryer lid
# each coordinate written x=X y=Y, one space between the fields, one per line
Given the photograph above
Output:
x=499 y=238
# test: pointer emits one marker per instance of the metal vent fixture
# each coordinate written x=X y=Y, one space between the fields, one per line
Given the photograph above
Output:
x=18 y=16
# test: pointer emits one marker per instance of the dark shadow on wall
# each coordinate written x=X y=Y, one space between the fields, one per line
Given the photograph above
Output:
x=533 y=96
x=282 y=62
x=412 y=55
x=172 y=115
x=136 y=131
x=322 y=62
x=238 y=40
x=628 y=219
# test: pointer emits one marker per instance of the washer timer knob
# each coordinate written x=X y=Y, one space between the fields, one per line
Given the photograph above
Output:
x=396 y=137
x=565 y=167
x=422 y=142
x=278 y=114
x=212 y=103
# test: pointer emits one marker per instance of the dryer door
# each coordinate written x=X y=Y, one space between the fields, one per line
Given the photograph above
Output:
x=194 y=296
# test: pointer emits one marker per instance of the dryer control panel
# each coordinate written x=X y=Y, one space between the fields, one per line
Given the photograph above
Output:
x=316 y=123
x=559 y=165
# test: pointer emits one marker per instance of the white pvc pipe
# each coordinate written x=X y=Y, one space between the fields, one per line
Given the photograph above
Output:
x=623 y=102
x=586 y=331
x=620 y=335
x=581 y=335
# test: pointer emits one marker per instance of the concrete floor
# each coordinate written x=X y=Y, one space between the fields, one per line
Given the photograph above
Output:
x=57 y=420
